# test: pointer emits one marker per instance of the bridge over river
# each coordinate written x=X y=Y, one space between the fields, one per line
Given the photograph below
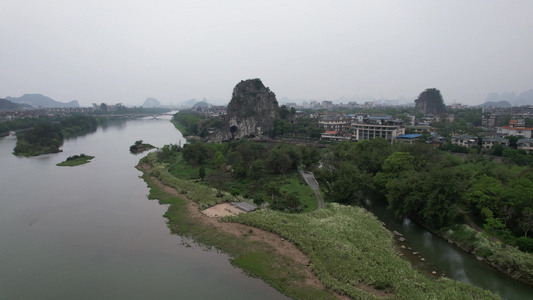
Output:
x=137 y=116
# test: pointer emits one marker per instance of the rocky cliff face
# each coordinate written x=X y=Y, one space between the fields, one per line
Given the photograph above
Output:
x=430 y=102
x=251 y=111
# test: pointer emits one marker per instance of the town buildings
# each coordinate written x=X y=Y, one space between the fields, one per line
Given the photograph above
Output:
x=360 y=127
x=515 y=128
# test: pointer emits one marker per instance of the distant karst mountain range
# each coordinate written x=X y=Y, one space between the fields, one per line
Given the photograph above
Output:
x=38 y=100
x=509 y=99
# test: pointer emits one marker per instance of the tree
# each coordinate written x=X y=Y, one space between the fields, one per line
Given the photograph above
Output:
x=218 y=179
x=281 y=127
x=284 y=112
x=292 y=200
x=310 y=157
x=279 y=161
x=497 y=149
x=220 y=160
x=195 y=153
x=273 y=190
x=257 y=169
x=526 y=222
x=201 y=173
x=487 y=192
x=369 y=155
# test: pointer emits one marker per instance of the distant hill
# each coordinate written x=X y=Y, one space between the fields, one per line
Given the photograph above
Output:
x=201 y=104
x=495 y=104
x=38 y=100
x=151 y=102
x=525 y=98
x=7 y=105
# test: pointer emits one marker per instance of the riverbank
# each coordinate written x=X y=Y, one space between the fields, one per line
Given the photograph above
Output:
x=293 y=273
x=473 y=240
x=259 y=253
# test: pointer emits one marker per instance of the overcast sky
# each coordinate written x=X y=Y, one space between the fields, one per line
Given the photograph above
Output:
x=125 y=51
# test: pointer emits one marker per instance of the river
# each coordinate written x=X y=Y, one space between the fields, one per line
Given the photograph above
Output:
x=89 y=232
x=445 y=258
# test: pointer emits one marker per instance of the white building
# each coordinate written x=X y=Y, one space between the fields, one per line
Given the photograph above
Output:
x=515 y=128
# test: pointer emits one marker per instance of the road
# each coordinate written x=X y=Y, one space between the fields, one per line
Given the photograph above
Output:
x=311 y=181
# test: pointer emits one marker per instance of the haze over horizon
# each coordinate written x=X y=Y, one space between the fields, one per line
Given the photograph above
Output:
x=116 y=51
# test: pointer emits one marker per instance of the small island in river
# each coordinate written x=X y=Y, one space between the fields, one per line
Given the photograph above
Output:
x=140 y=147
x=76 y=160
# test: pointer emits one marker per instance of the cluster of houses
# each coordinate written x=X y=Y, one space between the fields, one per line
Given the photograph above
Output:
x=356 y=127
x=466 y=140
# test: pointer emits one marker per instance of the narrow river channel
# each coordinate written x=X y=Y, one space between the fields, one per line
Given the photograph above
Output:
x=445 y=258
x=89 y=232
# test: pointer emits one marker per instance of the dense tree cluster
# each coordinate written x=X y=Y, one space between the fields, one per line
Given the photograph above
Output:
x=48 y=137
x=194 y=123
x=43 y=138
x=430 y=185
x=77 y=124
x=251 y=169
x=22 y=124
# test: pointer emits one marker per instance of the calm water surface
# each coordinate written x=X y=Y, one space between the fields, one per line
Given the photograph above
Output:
x=445 y=258
x=89 y=232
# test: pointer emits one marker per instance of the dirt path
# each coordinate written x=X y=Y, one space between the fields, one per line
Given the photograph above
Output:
x=281 y=246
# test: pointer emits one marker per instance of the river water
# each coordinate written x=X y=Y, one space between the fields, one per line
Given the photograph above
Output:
x=89 y=232
x=445 y=258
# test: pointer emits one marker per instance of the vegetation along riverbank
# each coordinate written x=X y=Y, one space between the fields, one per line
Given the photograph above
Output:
x=353 y=255
x=46 y=138
x=443 y=192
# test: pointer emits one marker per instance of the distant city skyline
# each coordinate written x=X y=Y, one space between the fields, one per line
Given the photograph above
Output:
x=173 y=51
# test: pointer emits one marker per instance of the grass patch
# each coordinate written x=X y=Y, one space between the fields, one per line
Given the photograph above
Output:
x=348 y=246
x=76 y=160
x=257 y=259
x=295 y=183
x=179 y=127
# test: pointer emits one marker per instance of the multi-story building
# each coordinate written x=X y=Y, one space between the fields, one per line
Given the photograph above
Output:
x=515 y=128
x=335 y=122
x=464 y=140
x=366 y=127
x=525 y=144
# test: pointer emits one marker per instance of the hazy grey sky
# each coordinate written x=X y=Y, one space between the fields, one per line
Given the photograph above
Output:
x=125 y=51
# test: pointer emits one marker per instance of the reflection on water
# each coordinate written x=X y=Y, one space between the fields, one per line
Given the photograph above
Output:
x=427 y=237
x=445 y=258
x=89 y=232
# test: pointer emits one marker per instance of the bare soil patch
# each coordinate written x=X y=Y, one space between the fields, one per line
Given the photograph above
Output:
x=281 y=246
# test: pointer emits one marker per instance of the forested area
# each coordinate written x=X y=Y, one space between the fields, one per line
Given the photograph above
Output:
x=433 y=185
x=42 y=139
x=265 y=172
x=47 y=137
x=22 y=124
x=77 y=124
x=195 y=124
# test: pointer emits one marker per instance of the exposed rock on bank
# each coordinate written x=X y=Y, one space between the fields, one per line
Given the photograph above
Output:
x=251 y=112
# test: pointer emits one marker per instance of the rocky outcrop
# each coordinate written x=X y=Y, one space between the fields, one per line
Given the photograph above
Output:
x=250 y=113
x=151 y=102
x=430 y=102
